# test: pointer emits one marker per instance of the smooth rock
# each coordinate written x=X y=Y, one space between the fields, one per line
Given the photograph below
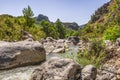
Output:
x=13 y=54
x=57 y=69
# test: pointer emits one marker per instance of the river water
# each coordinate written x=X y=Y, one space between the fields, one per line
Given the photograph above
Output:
x=23 y=73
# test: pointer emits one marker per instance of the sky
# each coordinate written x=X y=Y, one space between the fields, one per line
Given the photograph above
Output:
x=78 y=11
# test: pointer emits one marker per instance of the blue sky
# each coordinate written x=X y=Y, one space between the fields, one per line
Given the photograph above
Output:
x=66 y=10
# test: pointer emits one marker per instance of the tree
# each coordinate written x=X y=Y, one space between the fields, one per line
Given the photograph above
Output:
x=61 y=29
x=49 y=29
x=28 y=15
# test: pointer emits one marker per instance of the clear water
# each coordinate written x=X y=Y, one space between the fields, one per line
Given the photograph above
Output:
x=23 y=73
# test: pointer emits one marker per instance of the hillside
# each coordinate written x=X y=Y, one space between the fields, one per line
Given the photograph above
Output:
x=104 y=19
x=71 y=25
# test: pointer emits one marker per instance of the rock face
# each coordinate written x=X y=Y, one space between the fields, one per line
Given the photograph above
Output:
x=57 y=69
x=13 y=54
x=42 y=17
x=73 y=25
x=89 y=72
x=73 y=39
x=108 y=73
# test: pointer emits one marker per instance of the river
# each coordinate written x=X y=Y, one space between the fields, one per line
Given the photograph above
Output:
x=23 y=73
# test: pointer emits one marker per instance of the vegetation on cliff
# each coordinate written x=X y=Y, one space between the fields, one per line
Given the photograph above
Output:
x=104 y=23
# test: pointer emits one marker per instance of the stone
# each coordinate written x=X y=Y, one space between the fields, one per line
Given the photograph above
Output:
x=117 y=42
x=49 y=47
x=50 y=39
x=108 y=42
x=26 y=35
x=55 y=46
x=57 y=69
x=89 y=72
x=42 y=41
x=14 y=54
x=118 y=74
x=59 y=50
x=29 y=39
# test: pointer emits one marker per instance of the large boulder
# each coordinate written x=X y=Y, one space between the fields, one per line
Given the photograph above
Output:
x=13 y=54
x=57 y=69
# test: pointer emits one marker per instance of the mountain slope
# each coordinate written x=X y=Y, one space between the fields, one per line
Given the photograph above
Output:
x=41 y=17
x=106 y=17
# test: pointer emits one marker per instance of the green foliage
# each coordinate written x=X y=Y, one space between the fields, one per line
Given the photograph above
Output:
x=112 y=33
x=104 y=23
x=95 y=56
x=71 y=32
x=75 y=33
x=37 y=32
x=49 y=29
x=11 y=28
x=86 y=59
x=56 y=30
x=72 y=56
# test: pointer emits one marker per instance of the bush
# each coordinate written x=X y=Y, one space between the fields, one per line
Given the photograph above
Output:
x=112 y=33
x=95 y=56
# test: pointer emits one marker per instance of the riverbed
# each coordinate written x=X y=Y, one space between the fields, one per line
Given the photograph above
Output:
x=23 y=73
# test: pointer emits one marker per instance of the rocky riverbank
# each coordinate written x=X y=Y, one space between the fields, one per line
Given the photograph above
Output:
x=56 y=68
x=58 y=46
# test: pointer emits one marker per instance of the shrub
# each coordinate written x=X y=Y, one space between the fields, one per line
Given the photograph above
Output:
x=112 y=33
x=96 y=56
